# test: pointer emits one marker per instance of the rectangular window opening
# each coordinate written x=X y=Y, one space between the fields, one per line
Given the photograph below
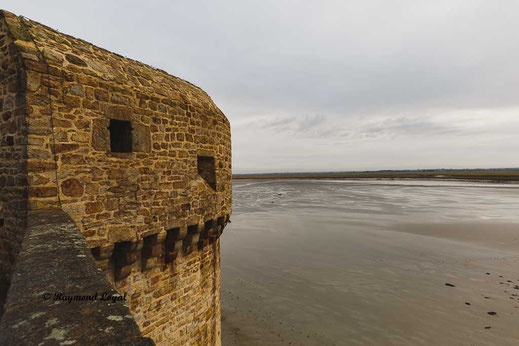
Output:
x=207 y=170
x=120 y=136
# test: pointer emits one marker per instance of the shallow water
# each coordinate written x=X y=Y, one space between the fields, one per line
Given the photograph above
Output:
x=340 y=262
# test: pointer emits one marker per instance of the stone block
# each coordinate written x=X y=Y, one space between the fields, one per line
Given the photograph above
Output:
x=43 y=191
x=73 y=59
x=101 y=95
x=72 y=188
x=100 y=135
x=141 y=138
x=76 y=90
x=119 y=234
x=65 y=147
x=93 y=207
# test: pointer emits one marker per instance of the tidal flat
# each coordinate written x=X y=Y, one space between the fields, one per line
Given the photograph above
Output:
x=364 y=262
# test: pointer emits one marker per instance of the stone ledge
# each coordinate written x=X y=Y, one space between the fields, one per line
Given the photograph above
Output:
x=55 y=258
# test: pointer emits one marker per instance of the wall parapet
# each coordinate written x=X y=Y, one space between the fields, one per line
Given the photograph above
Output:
x=55 y=259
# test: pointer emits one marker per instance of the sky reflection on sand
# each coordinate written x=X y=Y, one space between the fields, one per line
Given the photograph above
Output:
x=324 y=262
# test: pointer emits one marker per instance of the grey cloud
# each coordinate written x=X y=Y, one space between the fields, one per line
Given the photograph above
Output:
x=278 y=124
x=408 y=126
x=291 y=124
x=318 y=127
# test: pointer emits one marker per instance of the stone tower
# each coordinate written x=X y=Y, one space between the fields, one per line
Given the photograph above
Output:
x=140 y=161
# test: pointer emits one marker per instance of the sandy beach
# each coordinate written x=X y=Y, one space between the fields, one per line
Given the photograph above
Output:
x=341 y=262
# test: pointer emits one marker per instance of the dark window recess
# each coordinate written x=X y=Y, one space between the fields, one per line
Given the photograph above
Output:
x=96 y=252
x=206 y=169
x=120 y=136
x=122 y=258
x=2 y=222
x=169 y=244
x=149 y=249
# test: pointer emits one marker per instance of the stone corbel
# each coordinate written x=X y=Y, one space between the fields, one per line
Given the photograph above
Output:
x=206 y=233
x=102 y=255
x=191 y=240
x=220 y=225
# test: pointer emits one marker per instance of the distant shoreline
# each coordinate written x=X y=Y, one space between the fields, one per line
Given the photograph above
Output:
x=511 y=175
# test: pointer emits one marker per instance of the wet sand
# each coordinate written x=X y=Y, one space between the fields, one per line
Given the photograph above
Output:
x=343 y=262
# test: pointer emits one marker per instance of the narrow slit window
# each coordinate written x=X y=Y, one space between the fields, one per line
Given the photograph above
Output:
x=207 y=170
x=120 y=136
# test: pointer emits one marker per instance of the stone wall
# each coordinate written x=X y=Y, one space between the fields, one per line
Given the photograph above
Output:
x=13 y=154
x=148 y=210
x=180 y=303
x=54 y=259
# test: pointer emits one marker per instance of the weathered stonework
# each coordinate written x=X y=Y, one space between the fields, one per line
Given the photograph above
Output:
x=54 y=258
x=13 y=155
x=139 y=159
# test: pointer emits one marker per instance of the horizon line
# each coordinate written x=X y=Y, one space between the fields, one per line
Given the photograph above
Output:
x=389 y=170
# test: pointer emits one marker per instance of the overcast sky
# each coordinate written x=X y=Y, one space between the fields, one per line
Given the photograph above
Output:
x=329 y=85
